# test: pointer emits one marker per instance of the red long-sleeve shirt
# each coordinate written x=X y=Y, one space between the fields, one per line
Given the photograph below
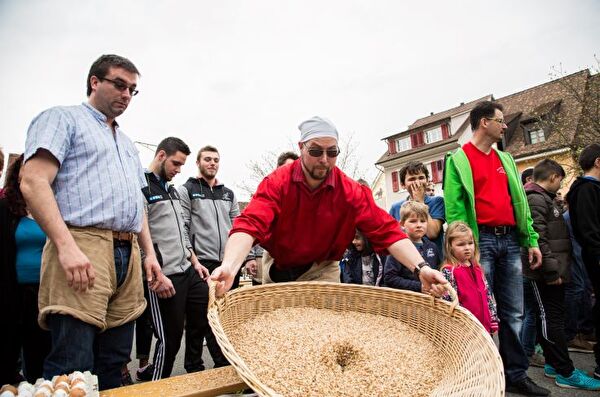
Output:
x=299 y=226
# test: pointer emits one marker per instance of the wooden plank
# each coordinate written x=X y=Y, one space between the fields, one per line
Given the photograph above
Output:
x=209 y=383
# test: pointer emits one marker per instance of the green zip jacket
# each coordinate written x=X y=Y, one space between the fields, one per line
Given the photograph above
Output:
x=459 y=195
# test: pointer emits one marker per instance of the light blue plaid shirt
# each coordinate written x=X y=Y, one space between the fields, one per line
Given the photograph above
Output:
x=100 y=177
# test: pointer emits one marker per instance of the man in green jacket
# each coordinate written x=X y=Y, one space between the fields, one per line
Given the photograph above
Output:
x=482 y=188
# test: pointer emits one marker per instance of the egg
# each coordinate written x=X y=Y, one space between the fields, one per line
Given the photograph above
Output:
x=47 y=385
x=77 y=381
x=8 y=388
x=60 y=393
x=7 y=393
x=76 y=375
x=42 y=392
x=62 y=385
x=26 y=387
x=61 y=379
x=77 y=392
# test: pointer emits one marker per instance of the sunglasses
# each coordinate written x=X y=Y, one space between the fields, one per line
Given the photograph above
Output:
x=331 y=152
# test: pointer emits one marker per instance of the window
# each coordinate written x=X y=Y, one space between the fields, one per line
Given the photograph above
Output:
x=403 y=144
x=437 y=171
x=433 y=135
x=537 y=135
x=395 y=184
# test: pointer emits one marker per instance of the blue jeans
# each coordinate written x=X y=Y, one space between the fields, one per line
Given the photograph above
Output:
x=528 y=331
x=501 y=260
x=578 y=300
x=78 y=346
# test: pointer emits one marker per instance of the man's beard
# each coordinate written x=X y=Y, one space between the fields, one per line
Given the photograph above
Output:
x=206 y=175
x=163 y=172
x=313 y=174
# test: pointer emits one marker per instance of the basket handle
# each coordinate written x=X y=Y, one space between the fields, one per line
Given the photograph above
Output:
x=453 y=295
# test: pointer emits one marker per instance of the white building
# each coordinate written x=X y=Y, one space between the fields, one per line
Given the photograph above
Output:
x=427 y=140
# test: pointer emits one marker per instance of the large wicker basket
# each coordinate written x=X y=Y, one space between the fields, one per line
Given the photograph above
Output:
x=472 y=364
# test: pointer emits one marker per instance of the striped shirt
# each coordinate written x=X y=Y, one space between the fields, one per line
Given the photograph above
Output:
x=100 y=177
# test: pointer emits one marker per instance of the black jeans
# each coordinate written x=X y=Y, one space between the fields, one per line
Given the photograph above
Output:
x=211 y=342
x=22 y=334
x=169 y=316
x=143 y=329
x=592 y=265
x=550 y=309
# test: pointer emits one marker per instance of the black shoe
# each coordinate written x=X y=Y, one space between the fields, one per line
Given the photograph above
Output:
x=126 y=379
x=145 y=374
x=597 y=372
x=527 y=387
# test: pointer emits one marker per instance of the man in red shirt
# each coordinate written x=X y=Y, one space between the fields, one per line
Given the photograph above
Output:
x=482 y=188
x=305 y=215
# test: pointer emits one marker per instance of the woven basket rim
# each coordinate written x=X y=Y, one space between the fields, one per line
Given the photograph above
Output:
x=219 y=305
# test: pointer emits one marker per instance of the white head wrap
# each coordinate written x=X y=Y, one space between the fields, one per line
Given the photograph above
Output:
x=317 y=127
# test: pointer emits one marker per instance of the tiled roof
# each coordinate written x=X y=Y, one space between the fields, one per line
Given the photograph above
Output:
x=448 y=113
x=466 y=107
x=532 y=103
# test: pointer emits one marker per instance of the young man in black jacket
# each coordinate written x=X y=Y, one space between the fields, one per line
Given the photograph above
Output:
x=187 y=305
x=547 y=281
x=584 y=208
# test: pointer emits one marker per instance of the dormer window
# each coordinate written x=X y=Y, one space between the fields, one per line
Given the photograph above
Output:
x=403 y=144
x=536 y=135
x=433 y=135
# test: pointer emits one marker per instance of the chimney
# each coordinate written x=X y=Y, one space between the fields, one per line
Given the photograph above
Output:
x=462 y=103
x=431 y=114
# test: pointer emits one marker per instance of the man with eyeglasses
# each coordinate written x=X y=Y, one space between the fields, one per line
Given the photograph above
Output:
x=482 y=187
x=82 y=181
x=305 y=215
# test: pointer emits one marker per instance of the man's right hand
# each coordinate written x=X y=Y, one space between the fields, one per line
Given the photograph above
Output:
x=224 y=279
x=416 y=190
x=157 y=281
x=164 y=287
x=558 y=281
x=78 y=269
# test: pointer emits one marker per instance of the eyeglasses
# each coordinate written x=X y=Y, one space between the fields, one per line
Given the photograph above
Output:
x=120 y=86
x=501 y=121
x=331 y=152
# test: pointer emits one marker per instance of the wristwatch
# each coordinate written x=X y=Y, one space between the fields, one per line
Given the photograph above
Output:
x=418 y=268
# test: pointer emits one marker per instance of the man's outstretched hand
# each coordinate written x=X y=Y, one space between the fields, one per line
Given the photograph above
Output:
x=224 y=279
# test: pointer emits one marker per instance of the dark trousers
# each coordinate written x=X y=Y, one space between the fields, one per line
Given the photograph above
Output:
x=529 y=328
x=187 y=307
x=78 y=346
x=578 y=298
x=211 y=342
x=143 y=329
x=592 y=265
x=22 y=334
x=550 y=309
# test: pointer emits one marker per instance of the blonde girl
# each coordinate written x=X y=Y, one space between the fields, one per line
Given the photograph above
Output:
x=462 y=269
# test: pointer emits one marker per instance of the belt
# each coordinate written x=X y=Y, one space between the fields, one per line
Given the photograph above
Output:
x=122 y=236
x=497 y=230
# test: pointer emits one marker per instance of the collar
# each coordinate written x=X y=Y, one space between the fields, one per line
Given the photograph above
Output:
x=298 y=176
x=98 y=115
x=204 y=182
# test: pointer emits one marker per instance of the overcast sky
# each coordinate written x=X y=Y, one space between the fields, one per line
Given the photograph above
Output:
x=242 y=75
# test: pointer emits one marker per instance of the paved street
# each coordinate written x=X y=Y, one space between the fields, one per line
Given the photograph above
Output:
x=582 y=361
